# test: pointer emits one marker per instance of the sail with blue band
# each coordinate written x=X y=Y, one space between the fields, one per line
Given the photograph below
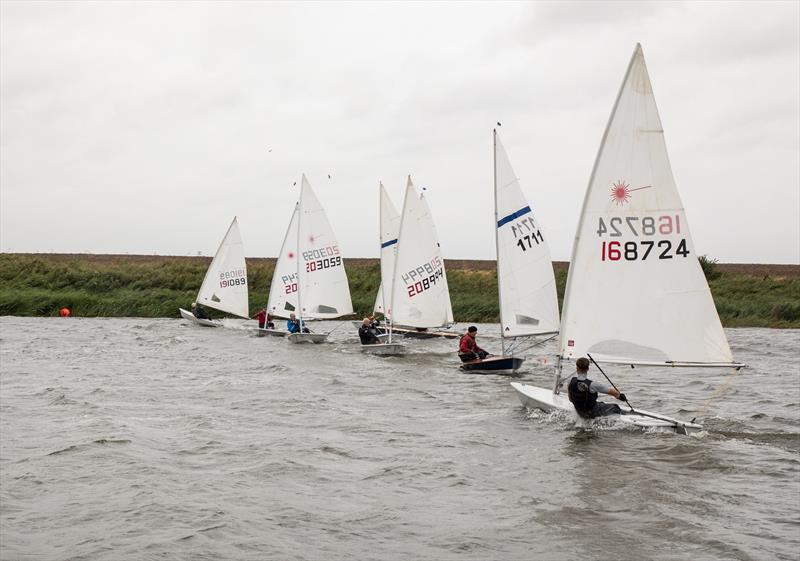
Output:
x=390 y=242
x=513 y=216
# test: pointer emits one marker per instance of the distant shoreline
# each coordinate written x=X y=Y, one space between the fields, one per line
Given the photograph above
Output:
x=109 y=285
x=753 y=269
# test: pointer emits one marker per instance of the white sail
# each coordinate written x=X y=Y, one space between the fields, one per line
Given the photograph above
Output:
x=636 y=292
x=283 y=291
x=224 y=287
x=526 y=284
x=424 y=201
x=420 y=297
x=322 y=281
x=389 y=229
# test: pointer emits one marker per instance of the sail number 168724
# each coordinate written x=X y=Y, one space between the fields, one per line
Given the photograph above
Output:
x=641 y=227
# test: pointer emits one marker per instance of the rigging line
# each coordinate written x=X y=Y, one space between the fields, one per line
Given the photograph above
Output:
x=536 y=344
x=338 y=326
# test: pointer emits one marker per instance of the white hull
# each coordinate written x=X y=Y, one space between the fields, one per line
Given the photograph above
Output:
x=307 y=337
x=384 y=349
x=272 y=332
x=544 y=399
x=189 y=316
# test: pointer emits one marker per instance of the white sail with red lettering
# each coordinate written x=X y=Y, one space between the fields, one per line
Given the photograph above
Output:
x=283 y=291
x=224 y=287
x=419 y=296
x=636 y=292
x=322 y=281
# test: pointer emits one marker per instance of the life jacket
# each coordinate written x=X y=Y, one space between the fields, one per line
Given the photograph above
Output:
x=466 y=344
x=580 y=396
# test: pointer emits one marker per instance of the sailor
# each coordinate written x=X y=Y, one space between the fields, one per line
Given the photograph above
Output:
x=468 y=349
x=293 y=325
x=264 y=319
x=367 y=333
x=583 y=393
x=199 y=312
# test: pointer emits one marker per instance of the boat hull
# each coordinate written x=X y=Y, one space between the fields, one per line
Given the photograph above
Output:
x=270 y=332
x=540 y=398
x=384 y=349
x=298 y=338
x=493 y=364
x=189 y=316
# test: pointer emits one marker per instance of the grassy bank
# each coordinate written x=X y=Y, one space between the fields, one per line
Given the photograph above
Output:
x=155 y=286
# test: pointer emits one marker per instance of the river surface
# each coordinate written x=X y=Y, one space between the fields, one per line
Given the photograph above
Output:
x=152 y=439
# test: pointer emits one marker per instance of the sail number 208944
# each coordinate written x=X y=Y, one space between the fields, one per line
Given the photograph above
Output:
x=643 y=227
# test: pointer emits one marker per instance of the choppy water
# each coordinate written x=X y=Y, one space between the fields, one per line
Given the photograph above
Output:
x=149 y=439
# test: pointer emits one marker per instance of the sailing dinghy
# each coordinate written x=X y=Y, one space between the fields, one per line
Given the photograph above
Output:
x=224 y=287
x=389 y=231
x=636 y=293
x=526 y=284
x=420 y=298
x=309 y=278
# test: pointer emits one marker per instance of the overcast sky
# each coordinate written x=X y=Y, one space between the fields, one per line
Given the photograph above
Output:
x=145 y=127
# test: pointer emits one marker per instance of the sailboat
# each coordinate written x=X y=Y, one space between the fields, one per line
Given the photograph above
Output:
x=224 y=287
x=391 y=217
x=420 y=297
x=526 y=284
x=636 y=293
x=309 y=278
x=389 y=232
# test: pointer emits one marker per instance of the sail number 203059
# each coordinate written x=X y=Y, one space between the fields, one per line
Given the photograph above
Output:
x=643 y=227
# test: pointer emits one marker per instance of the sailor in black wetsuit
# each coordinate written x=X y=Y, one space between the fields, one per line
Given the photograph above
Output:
x=583 y=394
x=367 y=333
x=199 y=312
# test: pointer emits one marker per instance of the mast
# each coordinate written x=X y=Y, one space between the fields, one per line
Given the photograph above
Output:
x=297 y=250
x=383 y=291
x=396 y=253
x=497 y=243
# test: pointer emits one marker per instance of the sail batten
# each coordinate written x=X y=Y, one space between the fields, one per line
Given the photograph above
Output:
x=636 y=292
x=224 y=287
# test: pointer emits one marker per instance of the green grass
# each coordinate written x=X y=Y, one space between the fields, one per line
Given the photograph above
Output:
x=144 y=286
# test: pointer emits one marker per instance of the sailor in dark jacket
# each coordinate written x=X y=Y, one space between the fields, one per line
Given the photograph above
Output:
x=583 y=394
x=367 y=333
x=199 y=312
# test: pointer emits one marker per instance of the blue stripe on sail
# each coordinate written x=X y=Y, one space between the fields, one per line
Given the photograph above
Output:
x=390 y=242
x=513 y=216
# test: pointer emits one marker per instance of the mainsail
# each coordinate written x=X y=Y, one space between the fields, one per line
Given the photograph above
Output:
x=389 y=229
x=224 y=287
x=283 y=291
x=526 y=284
x=420 y=297
x=322 y=281
x=635 y=292
x=424 y=201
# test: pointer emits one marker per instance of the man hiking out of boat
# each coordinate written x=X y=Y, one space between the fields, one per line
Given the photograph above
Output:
x=583 y=393
x=264 y=319
x=199 y=312
x=293 y=325
x=468 y=349
x=367 y=333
